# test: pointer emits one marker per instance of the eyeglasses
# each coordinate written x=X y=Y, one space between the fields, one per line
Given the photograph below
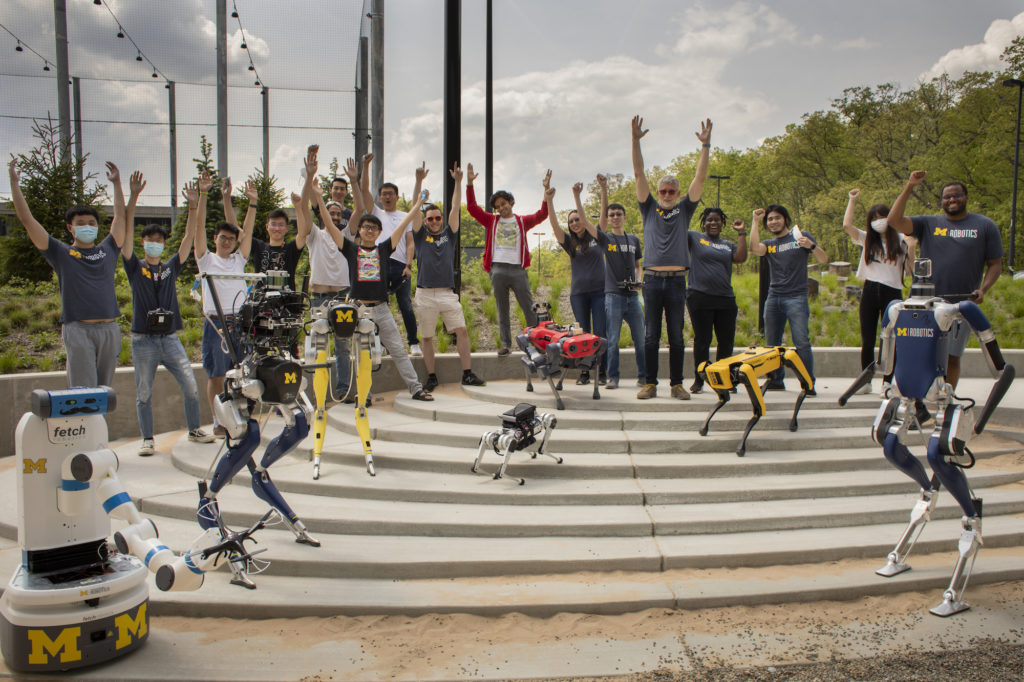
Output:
x=226 y=237
x=617 y=214
x=668 y=192
x=434 y=219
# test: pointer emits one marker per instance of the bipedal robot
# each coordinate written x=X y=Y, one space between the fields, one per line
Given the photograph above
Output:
x=724 y=375
x=266 y=328
x=915 y=340
x=552 y=348
x=519 y=429
x=79 y=598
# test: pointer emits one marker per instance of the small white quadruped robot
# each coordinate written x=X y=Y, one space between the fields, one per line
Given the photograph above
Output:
x=78 y=598
x=915 y=340
x=519 y=430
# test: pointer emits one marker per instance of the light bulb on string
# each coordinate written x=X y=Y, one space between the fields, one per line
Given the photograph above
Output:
x=252 y=68
x=120 y=32
x=46 y=66
x=244 y=46
x=234 y=14
x=19 y=48
x=154 y=74
x=138 y=57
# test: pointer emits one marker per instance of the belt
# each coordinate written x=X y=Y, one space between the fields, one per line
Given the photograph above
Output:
x=664 y=273
x=371 y=304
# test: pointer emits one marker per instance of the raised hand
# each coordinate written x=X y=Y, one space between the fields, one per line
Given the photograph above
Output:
x=705 y=132
x=546 y=182
x=351 y=170
x=758 y=215
x=421 y=172
x=136 y=183
x=739 y=225
x=577 y=189
x=191 y=193
x=251 y=193
x=314 y=183
x=367 y=158
x=296 y=200
x=225 y=185
x=311 y=161
x=917 y=177
x=854 y=193
x=549 y=193
x=602 y=180
x=12 y=168
x=113 y=174
x=638 y=128
x=456 y=172
x=470 y=175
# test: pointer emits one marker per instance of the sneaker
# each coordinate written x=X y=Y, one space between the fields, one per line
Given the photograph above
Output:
x=502 y=352
x=811 y=393
x=471 y=379
x=648 y=391
x=679 y=393
x=864 y=390
x=200 y=436
x=431 y=383
x=697 y=387
x=583 y=379
x=148 y=447
x=602 y=379
x=219 y=431
x=612 y=383
x=415 y=351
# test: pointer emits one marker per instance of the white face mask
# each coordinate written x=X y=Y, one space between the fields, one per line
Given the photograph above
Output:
x=879 y=225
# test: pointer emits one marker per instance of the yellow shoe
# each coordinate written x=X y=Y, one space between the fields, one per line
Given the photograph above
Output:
x=648 y=391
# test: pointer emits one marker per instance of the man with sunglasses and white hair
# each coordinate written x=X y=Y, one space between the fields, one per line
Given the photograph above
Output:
x=666 y=222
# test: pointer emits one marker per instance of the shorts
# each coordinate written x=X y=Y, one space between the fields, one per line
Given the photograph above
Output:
x=434 y=303
x=216 y=360
x=959 y=334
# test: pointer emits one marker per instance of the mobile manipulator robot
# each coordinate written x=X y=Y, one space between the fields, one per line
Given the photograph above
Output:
x=915 y=339
x=79 y=598
x=265 y=329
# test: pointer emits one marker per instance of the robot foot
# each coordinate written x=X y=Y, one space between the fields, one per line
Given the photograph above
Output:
x=919 y=516
x=239 y=576
x=970 y=543
x=304 y=538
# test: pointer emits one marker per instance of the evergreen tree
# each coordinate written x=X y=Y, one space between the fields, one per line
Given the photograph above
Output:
x=214 y=209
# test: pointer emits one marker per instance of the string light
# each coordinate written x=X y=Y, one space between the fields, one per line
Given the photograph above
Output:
x=21 y=46
x=244 y=45
x=138 y=56
x=122 y=33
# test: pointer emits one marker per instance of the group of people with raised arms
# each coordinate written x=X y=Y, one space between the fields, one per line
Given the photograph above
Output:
x=355 y=253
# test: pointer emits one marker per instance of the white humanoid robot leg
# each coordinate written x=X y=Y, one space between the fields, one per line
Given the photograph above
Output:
x=297 y=428
x=489 y=439
x=549 y=421
x=970 y=543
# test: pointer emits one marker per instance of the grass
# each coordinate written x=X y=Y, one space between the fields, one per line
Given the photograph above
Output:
x=30 y=328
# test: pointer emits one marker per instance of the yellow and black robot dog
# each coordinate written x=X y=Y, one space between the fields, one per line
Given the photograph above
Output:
x=724 y=375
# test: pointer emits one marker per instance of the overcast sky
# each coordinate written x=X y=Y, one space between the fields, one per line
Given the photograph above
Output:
x=569 y=75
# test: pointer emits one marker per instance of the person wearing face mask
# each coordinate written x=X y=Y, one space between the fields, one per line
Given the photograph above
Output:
x=961 y=245
x=435 y=284
x=883 y=260
x=85 y=270
x=506 y=256
x=710 y=299
x=587 y=267
x=156 y=319
x=787 y=253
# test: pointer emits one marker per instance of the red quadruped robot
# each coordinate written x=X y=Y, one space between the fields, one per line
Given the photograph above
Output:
x=551 y=348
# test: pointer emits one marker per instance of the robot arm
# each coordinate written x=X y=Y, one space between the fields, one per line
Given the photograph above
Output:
x=1002 y=372
x=887 y=349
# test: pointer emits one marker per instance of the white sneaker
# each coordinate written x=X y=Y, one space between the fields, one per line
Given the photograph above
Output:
x=200 y=436
x=415 y=350
x=865 y=389
x=148 y=447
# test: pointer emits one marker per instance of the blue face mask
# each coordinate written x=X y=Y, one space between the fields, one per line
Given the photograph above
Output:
x=153 y=249
x=86 y=233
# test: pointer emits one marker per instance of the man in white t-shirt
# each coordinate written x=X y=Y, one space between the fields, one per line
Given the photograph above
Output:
x=399 y=273
x=231 y=293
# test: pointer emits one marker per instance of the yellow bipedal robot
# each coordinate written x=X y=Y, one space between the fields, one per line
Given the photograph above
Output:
x=745 y=369
x=80 y=596
x=356 y=321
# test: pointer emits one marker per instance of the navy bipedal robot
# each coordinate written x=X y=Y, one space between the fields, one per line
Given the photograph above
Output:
x=915 y=340
x=266 y=328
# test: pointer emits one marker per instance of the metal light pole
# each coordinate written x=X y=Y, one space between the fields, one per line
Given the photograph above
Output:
x=1019 y=84
x=718 y=179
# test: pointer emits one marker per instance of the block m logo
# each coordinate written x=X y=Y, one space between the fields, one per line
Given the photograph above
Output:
x=343 y=315
x=901 y=331
x=37 y=466
x=941 y=232
x=129 y=628
x=44 y=648
x=773 y=249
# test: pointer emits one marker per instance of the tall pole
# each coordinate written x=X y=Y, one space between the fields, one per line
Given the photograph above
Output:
x=76 y=93
x=60 y=30
x=362 y=101
x=452 y=112
x=489 y=116
x=377 y=93
x=172 y=138
x=265 y=93
x=718 y=179
x=1019 y=84
x=222 y=88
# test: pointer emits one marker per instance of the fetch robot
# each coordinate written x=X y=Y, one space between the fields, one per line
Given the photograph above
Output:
x=265 y=328
x=77 y=598
x=915 y=339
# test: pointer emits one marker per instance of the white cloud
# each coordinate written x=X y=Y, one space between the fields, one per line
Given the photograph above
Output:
x=983 y=56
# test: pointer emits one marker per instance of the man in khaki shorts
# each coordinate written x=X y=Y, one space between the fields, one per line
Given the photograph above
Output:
x=435 y=285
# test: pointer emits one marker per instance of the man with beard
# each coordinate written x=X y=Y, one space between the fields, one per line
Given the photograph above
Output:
x=961 y=246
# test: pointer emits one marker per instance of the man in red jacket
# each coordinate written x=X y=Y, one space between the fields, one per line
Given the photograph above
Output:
x=506 y=255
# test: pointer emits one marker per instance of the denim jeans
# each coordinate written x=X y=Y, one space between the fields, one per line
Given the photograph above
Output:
x=793 y=309
x=664 y=296
x=342 y=361
x=401 y=287
x=588 y=309
x=149 y=351
x=619 y=307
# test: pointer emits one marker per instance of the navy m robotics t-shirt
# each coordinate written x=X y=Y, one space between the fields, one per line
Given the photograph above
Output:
x=958 y=250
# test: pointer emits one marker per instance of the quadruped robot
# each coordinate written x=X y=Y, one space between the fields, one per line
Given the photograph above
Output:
x=265 y=328
x=343 y=320
x=79 y=598
x=723 y=376
x=915 y=338
x=519 y=430
x=551 y=348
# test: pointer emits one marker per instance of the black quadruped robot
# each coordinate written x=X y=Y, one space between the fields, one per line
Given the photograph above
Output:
x=266 y=329
x=79 y=597
x=520 y=427
x=915 y=339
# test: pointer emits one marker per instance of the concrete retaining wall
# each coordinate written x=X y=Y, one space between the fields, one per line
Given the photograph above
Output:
x=169 y=414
